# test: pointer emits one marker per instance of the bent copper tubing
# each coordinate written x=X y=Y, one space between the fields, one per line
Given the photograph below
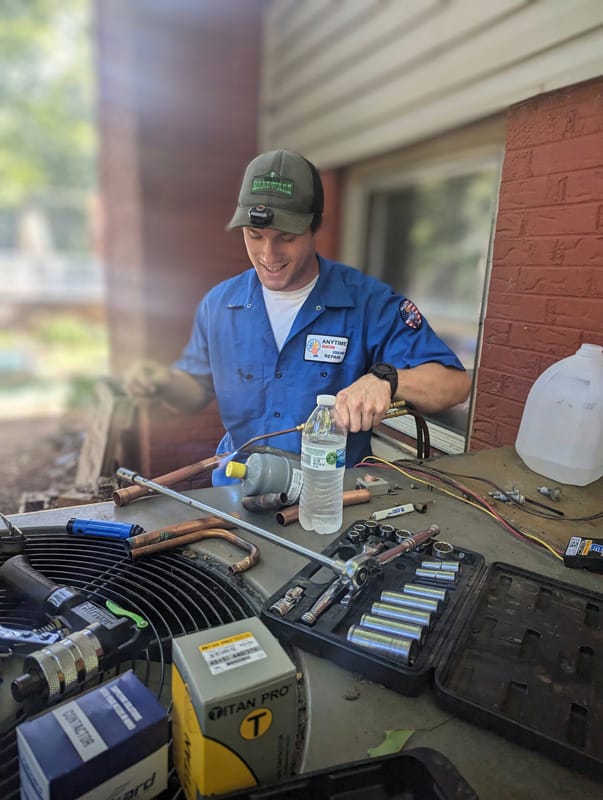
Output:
x=174 y=531
x=352 y=497
x=121 y=497
x=199 y=535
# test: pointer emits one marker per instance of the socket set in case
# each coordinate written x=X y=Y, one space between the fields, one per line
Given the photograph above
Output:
x=393 y=628
x=508 y=649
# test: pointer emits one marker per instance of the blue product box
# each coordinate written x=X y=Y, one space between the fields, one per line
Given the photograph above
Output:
x=110 y=742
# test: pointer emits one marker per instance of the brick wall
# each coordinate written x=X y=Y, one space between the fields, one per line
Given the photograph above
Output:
x=546 y=290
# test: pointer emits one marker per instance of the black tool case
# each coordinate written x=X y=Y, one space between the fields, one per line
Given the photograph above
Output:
x=510 y=650
x=418 y=774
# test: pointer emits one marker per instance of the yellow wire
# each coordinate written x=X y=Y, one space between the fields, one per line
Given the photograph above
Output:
x=463 y=499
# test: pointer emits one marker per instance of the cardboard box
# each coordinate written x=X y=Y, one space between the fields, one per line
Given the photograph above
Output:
x=234 y=720
x=110 y=742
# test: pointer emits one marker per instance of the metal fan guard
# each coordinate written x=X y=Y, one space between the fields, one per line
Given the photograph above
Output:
x=175 y=592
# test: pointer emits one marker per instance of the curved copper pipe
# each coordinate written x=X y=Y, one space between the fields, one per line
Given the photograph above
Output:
x=199 y=535
x=174 y=531
x=350 y=498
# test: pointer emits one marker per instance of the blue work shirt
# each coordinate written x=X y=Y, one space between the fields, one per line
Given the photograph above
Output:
x=347 y=323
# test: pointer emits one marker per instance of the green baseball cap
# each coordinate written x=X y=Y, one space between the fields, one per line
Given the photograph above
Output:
x=278 y=191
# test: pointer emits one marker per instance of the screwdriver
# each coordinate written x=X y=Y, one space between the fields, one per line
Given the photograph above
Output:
x=102 y=528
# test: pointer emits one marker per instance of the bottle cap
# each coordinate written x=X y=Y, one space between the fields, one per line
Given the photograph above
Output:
x=234 y=469
x=325 y=400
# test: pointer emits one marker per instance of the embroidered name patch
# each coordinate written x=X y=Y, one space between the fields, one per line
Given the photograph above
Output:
x=410 y=314
x=329 y=349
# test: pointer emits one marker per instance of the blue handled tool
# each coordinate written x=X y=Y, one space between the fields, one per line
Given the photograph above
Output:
x=102 y=528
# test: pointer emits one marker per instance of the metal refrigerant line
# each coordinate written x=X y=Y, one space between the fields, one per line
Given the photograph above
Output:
x=339 y=567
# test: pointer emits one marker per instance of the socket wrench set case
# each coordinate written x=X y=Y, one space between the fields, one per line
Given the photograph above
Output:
x=505 y=648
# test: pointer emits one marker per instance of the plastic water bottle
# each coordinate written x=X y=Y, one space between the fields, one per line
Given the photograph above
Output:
x=561 y=430
x=323 y=468
x=264 y=473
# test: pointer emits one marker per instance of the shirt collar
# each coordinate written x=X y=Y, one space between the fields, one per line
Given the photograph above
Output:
x=330 y=290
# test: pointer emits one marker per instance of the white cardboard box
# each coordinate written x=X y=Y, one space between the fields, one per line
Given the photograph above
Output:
x=110 y=742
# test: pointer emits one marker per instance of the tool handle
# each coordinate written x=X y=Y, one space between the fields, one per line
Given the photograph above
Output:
x=17 y=573
x=102 y=528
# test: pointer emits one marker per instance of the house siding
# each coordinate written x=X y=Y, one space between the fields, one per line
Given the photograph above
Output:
x=345 y=80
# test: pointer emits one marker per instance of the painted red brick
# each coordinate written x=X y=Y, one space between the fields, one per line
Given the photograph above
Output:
x=566 y=250
x=573 y=154
x=577 y=282
x=584 y=218
x=504 y=279
x=546 y=288
x=496 y=331
x=576 y=314
x=517 y=306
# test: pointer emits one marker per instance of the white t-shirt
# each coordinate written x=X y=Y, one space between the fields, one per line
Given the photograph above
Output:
x=282 y=308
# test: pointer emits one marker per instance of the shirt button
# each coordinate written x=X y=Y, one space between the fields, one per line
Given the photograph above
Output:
x=318 y=308
x=323 y=374
x=277 y=413
x=279 y=375
x=248 y=305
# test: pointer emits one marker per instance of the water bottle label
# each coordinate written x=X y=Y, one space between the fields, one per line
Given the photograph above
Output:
x=295 y=487
x=315 y=456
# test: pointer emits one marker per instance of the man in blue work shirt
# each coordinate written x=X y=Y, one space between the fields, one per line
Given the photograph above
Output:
x=267 y=341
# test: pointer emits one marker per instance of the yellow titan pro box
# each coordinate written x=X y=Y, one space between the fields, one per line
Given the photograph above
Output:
x=234 y=717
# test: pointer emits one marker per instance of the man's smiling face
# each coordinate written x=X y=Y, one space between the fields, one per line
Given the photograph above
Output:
x=283 y=261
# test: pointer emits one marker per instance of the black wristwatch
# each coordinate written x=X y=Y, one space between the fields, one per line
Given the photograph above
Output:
x=387 y=373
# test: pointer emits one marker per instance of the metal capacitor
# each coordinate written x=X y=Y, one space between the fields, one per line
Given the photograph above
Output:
x=395 y=647
x=383 y=625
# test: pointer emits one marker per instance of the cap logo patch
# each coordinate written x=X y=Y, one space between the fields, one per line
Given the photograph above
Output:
x=272 y=183
x=410 y=314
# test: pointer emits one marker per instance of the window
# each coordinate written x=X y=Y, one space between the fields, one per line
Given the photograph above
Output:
x=427 y=234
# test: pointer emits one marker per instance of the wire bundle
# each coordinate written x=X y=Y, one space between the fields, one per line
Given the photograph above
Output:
x=445 y=482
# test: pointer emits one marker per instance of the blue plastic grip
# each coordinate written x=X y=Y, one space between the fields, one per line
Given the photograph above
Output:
x=102 y=528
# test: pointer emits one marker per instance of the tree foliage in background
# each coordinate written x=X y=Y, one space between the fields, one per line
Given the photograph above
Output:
x=47 y=133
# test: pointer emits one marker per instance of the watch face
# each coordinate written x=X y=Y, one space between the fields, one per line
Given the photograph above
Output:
x=383 y=371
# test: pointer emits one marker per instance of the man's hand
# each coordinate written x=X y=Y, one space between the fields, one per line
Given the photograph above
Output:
x=179 y=391
x=145 y=380
x=429 y=388
x=363 y=404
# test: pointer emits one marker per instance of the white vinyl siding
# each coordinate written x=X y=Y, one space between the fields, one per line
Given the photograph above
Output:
x=345 y=80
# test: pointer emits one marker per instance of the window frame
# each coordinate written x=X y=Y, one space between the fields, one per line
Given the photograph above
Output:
x=446 y=156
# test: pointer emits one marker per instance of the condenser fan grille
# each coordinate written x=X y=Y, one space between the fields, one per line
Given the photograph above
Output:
x=176 y=594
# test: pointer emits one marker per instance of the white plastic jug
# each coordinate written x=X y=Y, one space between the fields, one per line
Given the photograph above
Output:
x=561 y=430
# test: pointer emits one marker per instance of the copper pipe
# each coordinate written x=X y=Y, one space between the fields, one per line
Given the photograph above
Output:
x=199 y=535
x=174 y=531
x=352 y=497
x=121 y=497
